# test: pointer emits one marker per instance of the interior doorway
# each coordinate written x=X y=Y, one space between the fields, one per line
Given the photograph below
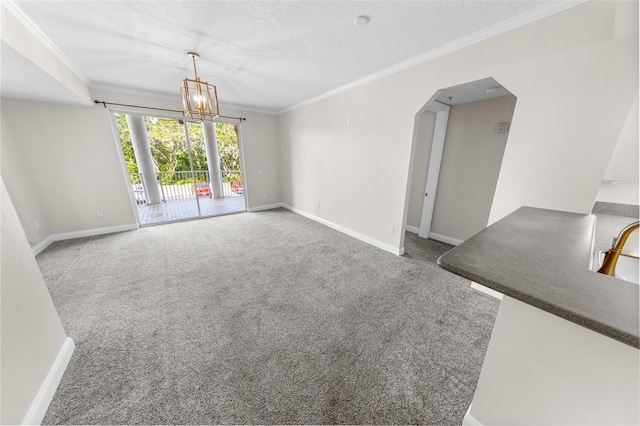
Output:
x=459 y=140
x=180 y=170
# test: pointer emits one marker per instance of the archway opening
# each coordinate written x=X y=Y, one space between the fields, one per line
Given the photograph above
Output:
x=460 y=136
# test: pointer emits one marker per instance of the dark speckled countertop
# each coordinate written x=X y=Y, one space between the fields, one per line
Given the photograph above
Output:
x=542 y=257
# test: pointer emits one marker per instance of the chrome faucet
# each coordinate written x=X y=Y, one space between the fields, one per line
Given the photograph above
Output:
x=611 y=256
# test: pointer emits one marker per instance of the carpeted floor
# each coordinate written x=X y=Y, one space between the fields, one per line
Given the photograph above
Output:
x=262 y=318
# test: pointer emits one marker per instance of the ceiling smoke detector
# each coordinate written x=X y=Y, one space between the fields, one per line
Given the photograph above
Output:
x=361 y=20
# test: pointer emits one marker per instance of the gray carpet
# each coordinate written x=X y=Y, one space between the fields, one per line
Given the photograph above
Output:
x=262 y=318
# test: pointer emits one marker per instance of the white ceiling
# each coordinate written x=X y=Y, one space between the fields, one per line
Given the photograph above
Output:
x=262 y=55
x=473 y=91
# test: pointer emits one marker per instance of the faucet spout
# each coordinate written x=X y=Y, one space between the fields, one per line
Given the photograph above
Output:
x=611 y=256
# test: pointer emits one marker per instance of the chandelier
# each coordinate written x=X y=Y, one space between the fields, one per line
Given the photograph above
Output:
x=199 y=98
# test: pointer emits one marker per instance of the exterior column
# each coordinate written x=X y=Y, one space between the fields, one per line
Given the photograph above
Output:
x=142 y=151
x=213 y=159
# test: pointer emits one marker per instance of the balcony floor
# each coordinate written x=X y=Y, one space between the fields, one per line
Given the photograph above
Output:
x=175 y=210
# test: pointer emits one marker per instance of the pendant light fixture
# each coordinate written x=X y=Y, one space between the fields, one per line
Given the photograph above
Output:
x=199 y=98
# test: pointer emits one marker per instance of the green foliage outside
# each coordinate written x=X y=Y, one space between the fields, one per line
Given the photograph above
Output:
x=169 y=148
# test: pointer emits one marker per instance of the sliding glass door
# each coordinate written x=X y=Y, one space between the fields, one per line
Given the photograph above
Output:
x=169 y=172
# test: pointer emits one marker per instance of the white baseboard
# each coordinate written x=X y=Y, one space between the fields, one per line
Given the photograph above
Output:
x=384 y=246
x=469 y=420
x=445 y=239
x=79 y=234
x=486 y=290
x=42 y=245
x=412 y=229
x=40 y=404
x=266 y=207
x=95 y=231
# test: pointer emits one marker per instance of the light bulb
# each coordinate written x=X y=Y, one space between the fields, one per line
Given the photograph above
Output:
x=198 y=101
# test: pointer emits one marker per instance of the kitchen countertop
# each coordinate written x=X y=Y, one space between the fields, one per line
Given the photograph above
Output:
x=542 y=258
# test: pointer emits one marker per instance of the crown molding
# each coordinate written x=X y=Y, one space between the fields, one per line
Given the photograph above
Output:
x=492 y=31
x=136 y=92
x=38 y=34
x=247 y=109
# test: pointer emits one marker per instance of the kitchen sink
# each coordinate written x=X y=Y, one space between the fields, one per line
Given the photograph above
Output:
x=626 y=268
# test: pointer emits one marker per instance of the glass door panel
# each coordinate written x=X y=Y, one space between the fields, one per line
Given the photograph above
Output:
x=230 y=171
x=170 y=151
x=219 y=180
x=199 y=168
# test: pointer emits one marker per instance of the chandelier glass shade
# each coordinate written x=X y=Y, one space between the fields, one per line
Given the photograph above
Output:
x=199 y=98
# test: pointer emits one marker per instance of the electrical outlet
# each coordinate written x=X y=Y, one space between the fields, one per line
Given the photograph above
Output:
x=391 y=229
x=318 y=204
x=259 y=172
x=99 y=213
x=37 y=225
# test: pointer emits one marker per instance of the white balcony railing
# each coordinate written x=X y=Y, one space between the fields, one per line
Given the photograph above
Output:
x=185 y=185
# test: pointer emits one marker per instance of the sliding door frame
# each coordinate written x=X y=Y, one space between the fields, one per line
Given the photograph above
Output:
x=146 y=112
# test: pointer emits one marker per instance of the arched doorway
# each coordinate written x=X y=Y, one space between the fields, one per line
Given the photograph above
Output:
x=460 y=136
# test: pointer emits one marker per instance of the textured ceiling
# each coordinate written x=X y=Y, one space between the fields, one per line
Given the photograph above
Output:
x=264 y=55
x=473 y=91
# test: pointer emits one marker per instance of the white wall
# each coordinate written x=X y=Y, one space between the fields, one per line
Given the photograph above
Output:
x=261 y=157
x=471 y=162
x=73 y=169
x=622 y=175
x=33 y=214
x=32 y=334
x=621 y=192
x=624 y=160
x=349 y=154
x=558 y=160
x=563 y=69
x=62 y=163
